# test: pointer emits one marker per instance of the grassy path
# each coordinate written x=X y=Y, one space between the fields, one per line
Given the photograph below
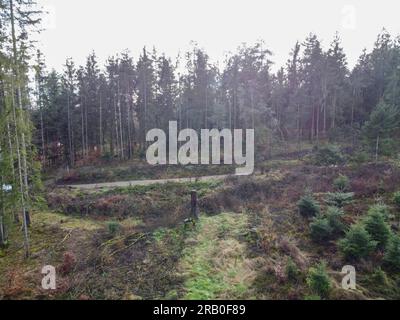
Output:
x=214 y=262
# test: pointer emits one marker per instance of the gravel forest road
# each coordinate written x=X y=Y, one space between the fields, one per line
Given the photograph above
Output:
x=117 y=184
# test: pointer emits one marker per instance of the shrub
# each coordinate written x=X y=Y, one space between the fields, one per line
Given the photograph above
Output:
x=328 y=155
x=357 y=243
x=376 y=225
x=334 y=216
x=68 y=264
x=308 y=206
x=341 y=183
x=342 y=133
x=107 y=157
x=290 y=248
x=379 y=208
x=378 y=131
x=388 y=147
x=292 y=272
x=320 y=229
x=392 y=254
x=318 y=280
x=323 y=228
x=339 y=199
x=113 y=205
x=246 y=189
x=396 y=199
x=360 y=157
x=113 y=227
x=379 y=277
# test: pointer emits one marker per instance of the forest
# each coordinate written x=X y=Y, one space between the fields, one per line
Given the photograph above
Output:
x=106 y=110
x=77 y=192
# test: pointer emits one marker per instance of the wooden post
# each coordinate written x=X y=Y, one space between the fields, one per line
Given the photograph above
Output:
x=193 y=204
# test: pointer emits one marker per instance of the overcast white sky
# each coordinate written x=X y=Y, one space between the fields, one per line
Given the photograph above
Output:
x=76 y=27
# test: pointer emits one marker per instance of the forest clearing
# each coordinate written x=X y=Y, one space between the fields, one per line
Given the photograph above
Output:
x=146 y=175
x=250 y=242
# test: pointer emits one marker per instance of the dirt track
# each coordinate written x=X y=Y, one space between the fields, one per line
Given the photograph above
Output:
x=117 y=184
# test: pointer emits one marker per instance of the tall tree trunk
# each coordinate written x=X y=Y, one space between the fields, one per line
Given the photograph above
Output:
x=352 y=117
x=116 y=127
x=317 y=125
x=129 y=126
x=235 y=110
x=21 y=154
x=71 y=152
x=101 y=125
x=20 y=175
x=82 y=129
x=86 y=128
x=42 y=138
x=298 y=125
x=39 y=100
x=334 y=110
x=252 y=108
x=312 y=124
x=14 y=179
x=352 y=107
x=3 y=235
x=120 y=122
x=145 y=107
x=11 y=150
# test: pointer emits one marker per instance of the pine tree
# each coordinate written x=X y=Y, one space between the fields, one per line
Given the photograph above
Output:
x=384 y=119
x=145 y=90
x=392 y=254
x=335 y=84
x=19 y=16
x=69 y=83
x=313 y=68
x=294 y=92
x=39 y=79
x=166 y=95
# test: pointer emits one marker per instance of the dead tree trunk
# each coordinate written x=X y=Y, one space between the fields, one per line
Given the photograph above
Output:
x=71 y=152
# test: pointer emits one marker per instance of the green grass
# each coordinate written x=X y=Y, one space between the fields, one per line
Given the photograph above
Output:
x=214 y=261
x=200 y=186
x=67 y=222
